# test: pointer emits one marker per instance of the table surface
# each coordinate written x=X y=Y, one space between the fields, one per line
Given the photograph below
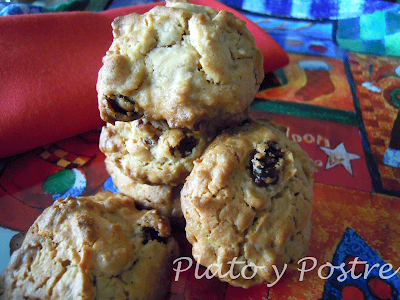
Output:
x=339 y=98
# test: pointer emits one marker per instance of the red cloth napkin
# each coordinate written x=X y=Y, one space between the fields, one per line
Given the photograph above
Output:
x=49 y=64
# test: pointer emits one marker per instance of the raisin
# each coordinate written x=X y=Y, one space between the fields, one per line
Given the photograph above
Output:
x=121 y=104
x=114 y=105
x=265 y=166
x=152 y=234
x=185 y=146
x=246 y=122
x=16 y=241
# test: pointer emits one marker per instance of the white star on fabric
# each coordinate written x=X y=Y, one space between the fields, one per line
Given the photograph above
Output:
x=339 y=156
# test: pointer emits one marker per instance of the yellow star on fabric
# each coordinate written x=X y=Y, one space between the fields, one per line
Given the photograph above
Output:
x=339 y=156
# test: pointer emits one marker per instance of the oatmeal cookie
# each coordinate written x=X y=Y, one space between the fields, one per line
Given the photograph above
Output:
x=182 y=63
x=162 y=197
x=249 y=199
x=151 y=152
x=97 y=247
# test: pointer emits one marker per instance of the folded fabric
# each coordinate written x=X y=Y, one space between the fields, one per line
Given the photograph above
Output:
x=49 y=64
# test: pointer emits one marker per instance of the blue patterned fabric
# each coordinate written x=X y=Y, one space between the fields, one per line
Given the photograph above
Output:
x=311 y=9
x=352 y=245
x=375 y=33
x=122 y=3
x=7 y=8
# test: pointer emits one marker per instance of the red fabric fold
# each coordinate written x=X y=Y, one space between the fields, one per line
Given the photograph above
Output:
x=49 y=64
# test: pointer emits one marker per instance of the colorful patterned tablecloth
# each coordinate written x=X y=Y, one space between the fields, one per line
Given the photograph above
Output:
x=340 y=99
x=8 y=8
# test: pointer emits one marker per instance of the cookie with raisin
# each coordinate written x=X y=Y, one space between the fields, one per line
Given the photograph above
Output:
x=182 y=63
x=247 y=203
x=95 y=247
x=150 y=152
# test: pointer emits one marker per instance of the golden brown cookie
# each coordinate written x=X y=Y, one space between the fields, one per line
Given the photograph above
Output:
x=182 y=63
x=248 y=199
x=97 y=247
x=150 y=152
x=162 y=197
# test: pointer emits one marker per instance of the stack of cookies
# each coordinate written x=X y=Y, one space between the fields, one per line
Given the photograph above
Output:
x=174 y=89
x=172 y=78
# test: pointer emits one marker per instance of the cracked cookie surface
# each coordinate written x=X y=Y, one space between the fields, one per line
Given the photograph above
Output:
x=95 y=247
x=151 y=152
x=182 y=63
x=249 y=199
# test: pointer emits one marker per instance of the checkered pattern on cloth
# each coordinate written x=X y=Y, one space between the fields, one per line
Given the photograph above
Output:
x=61 y=158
